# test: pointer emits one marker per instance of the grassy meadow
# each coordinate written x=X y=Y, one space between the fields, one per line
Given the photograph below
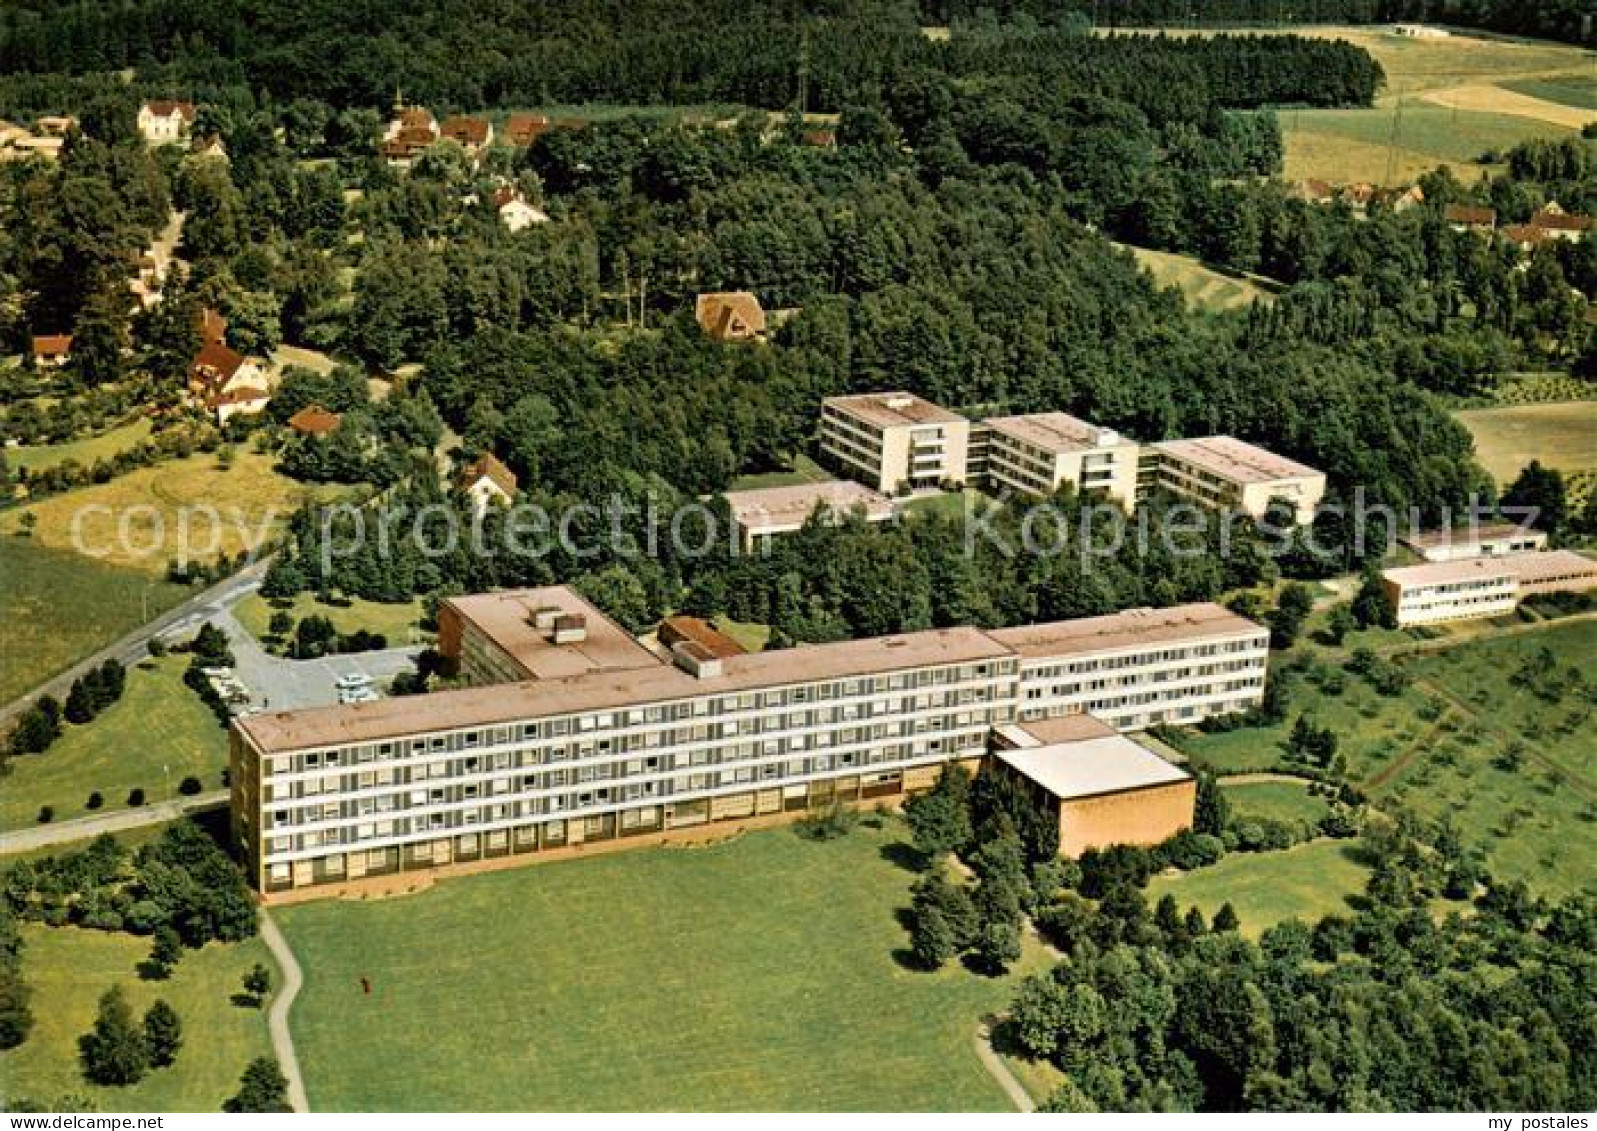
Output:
x=57 y=607
x=115 y=441
x=1562 y=435
x=1204 y=287
x=69 y=969
x=157 y=734
x=1307 y=881
x=759 y=974
x=1516 y=773
x=399 y=622
x=138 y=520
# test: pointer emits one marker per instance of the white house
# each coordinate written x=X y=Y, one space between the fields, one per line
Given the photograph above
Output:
x=164 y=122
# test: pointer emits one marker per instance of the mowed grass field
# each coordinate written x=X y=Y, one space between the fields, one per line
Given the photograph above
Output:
x=759 y=974
x=157 y=734
x=1307 y=881
x=1288 y=801
x=400 y=622
x=196 y=507
x=1579 y=91
x=86 y=452
x=69 y=969
x=57 y=607
x=1204 y=287
x=1561 y=435
x=1515 y=773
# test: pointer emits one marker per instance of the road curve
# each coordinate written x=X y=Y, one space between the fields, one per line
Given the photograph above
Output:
x=131 y=648
x=277 y=1017
x=86 y=828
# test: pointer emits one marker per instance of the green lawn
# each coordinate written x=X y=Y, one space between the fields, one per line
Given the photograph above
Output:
x=398 y=622
x=802 y=470
x=758 y=974
x=86 y=452
x=1276 y=801
x=155 y=735
x=70 y=968
x=57 y=607
x=1308 y=881
x=1442 y=748
x=949 y=504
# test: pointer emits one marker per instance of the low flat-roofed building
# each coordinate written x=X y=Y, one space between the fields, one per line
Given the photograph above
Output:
x=1555 y=571
x=1105 y=788
x=1141 y=667
x=683 y=629
x=1038 y=453
x=1475 y=541
x=1437 y=592
x=1222 y=471
x=895 y=442
x=539 y=634
x=767 y=512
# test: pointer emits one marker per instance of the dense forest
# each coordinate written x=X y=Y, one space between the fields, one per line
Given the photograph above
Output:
x=1569 y=20
x=474 y=54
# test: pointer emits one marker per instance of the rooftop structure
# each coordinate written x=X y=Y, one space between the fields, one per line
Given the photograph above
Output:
x=730 y=316
x=1091 y=767
x=1134 y=628
x=1223 y=471
x=314 y=420
x=768 y=511
x=684 y=629
x=1474 y=541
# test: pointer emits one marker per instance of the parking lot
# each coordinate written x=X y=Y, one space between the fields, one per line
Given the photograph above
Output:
x=275 y=684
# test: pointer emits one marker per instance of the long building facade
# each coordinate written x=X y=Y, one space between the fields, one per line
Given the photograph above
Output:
x=600 y=739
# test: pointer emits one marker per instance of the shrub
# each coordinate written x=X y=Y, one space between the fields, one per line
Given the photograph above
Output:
x=135 y=797
x=189 y=786
x=46 y=814
x=96 y=799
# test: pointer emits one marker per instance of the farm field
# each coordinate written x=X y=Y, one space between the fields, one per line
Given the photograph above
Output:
x=1579 y=91
x=57 y=607
x=37 y=457
x=1343 y=146
x=152 y=505
x=398 y=622
x=157 y=734
x=757 y=974
x=1515 y=773
x=1562 y=435
x=1204 y=287
x=1307 y=881
x=69 y=969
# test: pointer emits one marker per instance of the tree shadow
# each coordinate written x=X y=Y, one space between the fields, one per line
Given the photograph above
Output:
x=245 y=1001
x=905 y=856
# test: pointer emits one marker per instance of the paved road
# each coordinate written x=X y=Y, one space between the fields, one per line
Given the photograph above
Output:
x=277 y=1017
x=85 y=828
x=182 y=620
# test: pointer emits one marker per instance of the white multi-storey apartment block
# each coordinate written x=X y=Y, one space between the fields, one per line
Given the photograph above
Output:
x=1142 y=668
x=1039 y=453
x=894 y=442
x=600 y=739
x=1222 y=471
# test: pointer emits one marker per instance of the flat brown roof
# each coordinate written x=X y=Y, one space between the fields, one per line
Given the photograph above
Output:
x=405 y=715
x=1549 y=564
x=1057 y=432
x=1446 y=573
x=507 y=618
x=792 y=506
x=893 y=410
x=682 y=629
x=1470 y=536
x=1065 y=728
x=1236 y=460
x=1130 y=629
